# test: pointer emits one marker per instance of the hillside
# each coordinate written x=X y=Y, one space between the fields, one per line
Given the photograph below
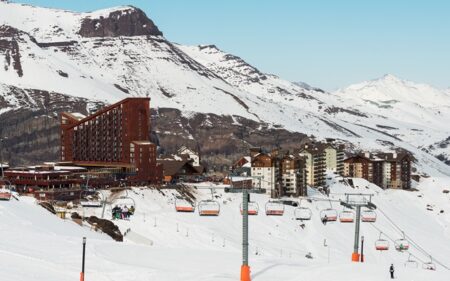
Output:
x=202 y=87
x=164 y=245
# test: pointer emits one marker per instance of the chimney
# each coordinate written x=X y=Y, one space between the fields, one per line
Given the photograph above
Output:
x=367 y=154
x=394 y=155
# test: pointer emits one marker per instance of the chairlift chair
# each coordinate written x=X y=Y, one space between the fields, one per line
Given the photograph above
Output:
x=5 y=194
x=381 y=244
x=347 y=216
x=429 y=265
x=274 y=208
x=183 y=206
x=208 y=208
x=368 y=216
x=124 y=201
x=401 y=244
x=411 y=263
x=328 y=214
x=302 y=213
x=253 y=208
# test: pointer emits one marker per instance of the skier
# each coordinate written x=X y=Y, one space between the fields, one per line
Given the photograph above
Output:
x=324 y=220
x=391 y=270
x=125 y=213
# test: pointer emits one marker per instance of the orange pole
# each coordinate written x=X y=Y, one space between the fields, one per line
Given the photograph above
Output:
x=245 y=273
x=81 y=276
x=355 y=257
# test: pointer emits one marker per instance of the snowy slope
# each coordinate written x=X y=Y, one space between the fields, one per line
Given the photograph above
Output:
x=47 y=52
x=416 y=113
x=189 y=247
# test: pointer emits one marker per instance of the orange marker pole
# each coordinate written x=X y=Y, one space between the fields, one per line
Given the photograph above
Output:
x=245 y=273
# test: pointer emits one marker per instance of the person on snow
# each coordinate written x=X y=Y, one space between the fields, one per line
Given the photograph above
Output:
x=325 y=219
x=391 y=270
x=131 y=210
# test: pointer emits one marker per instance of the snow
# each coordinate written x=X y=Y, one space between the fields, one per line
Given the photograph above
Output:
x=164 y=245
x=204 y=79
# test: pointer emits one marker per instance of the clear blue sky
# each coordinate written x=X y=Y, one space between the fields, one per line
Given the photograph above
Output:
x=326 y=43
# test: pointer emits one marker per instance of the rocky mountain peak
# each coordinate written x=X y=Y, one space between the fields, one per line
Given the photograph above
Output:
x=126 y=21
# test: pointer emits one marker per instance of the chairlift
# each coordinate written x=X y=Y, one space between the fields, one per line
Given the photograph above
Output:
x=347 y=216
x=401 y=244
x=124 y=201
x=302 y=213
x=208 y=208
x=368 y=216
x=429 y=265
x=381 y=244
x=87 y=201
x=253 y=208
x=328 y=214
x=183 y=206
x=5 y=194
x=274 y=208
x=411 y=263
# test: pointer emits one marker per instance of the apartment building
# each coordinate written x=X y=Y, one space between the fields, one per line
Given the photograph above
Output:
x=293 y=175
x=264 y=171
x=315 y=163
x=387 y=170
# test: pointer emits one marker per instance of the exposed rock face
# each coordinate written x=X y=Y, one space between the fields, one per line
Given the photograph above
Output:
x=130 y=22
x=107 y=227
x=31 y=126
x=219 y=139
x=9 y=48
x=32 y=130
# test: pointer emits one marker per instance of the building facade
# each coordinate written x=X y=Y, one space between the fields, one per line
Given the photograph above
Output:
x=387 y=170
x=265 y=172
x=115 y=136
x=293 y=176
x=191 y=153
x=315 y=163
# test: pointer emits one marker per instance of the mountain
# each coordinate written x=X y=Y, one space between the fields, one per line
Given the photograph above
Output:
x=416 y=113
x=201 y=95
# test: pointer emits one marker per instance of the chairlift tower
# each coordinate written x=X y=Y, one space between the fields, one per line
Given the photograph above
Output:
x=363 y=200
x=245 y=268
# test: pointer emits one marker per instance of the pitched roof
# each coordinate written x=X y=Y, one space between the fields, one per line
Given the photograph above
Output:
x=174 y=167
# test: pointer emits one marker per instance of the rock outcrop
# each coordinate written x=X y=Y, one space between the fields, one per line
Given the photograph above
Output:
x=127 y=22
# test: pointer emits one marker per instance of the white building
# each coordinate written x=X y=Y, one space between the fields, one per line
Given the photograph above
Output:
x=264 y=171
x=192 y=155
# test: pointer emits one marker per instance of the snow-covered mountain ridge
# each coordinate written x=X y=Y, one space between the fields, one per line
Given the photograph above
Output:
x=115 y=53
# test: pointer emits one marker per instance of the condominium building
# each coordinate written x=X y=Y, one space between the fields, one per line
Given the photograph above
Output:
x=387 y=170
x=264 y=171
x=315 y=163
x=293 y=175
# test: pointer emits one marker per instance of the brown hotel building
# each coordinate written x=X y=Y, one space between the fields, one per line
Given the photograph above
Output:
x=115 y=137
